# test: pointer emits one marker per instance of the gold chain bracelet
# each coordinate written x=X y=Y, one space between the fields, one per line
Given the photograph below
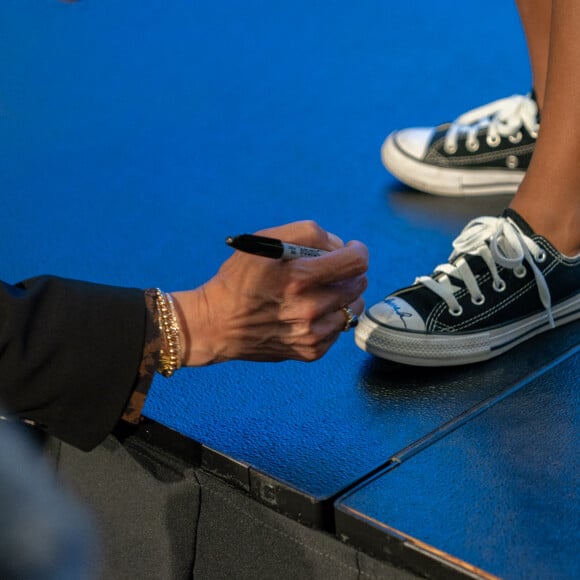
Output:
x=170 y=352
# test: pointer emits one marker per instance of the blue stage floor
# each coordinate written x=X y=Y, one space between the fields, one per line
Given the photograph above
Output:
x=135 y=136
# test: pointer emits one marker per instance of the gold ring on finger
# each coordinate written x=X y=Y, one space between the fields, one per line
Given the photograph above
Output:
x=351 y=318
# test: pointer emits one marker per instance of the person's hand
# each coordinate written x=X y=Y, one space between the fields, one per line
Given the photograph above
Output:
x=262 y=309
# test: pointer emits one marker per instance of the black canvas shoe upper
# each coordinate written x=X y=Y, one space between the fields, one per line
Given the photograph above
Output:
x=503 y=140
x=488 y=304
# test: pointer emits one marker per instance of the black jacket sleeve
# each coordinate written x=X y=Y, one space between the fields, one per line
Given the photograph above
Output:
x=70 y=353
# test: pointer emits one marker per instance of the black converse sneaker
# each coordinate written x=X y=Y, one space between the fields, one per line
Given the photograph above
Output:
x=485 y=151
x=502 y=285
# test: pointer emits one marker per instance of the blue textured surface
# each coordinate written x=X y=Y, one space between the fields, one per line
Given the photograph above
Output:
x=131 y=132
x=135 y=136
x=501 y=492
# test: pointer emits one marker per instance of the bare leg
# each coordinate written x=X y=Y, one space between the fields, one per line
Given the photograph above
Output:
x=549 y=196
x=535 y=16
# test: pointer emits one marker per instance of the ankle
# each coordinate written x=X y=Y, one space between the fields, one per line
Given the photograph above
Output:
x=560 y=228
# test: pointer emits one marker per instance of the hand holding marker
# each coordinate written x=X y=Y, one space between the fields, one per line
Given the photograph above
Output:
x=279 y=250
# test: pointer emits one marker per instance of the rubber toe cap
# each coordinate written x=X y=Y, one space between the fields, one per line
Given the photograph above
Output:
x=414 y=142
x=397 y=313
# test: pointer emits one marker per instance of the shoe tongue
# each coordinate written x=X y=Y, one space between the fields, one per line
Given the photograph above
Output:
x=519 y=220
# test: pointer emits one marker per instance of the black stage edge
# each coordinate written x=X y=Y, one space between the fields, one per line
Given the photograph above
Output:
x=163 y=438
x=237 y=473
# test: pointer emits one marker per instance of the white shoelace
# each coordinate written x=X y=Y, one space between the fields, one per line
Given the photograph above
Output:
x=498 y=241
x=502 y=118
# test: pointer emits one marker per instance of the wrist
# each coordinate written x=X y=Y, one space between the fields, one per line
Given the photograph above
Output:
x=193 y=318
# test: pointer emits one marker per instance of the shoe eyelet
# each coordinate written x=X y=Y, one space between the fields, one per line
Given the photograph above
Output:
x=493 y=141
x=456 y=311
x=511 y=161
x=450 y=149
x=478 y=300
x=500 y=286
x=520 y=271
x=515 y=139
x=541 y=257
x=472 y=146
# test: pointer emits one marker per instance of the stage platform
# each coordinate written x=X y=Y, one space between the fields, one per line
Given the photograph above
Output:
x=135 y=137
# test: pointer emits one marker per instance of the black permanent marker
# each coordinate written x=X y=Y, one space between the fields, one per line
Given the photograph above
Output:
x=271 y=247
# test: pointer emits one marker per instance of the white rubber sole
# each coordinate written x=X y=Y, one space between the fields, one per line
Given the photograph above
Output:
x=445 y=181
x=420 y=349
